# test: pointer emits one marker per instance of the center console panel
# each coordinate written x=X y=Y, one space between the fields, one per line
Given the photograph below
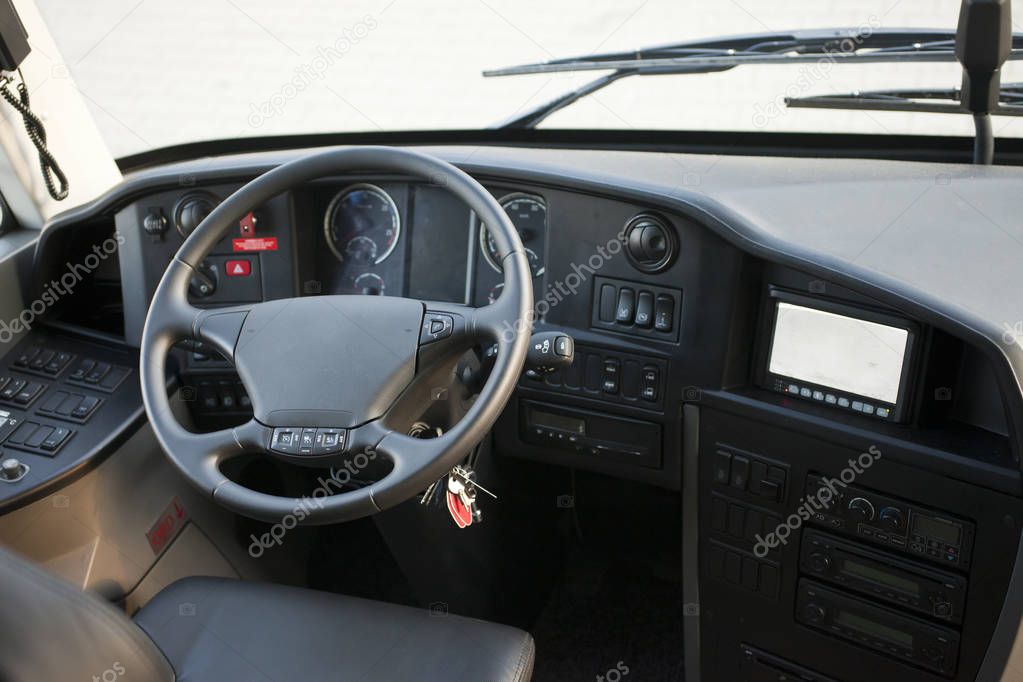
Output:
x=905 y=586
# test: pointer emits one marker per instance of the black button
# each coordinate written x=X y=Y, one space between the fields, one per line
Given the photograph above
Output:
x=285 y=440
x=626 y=310
x=56 y=438
x=664 y=311
x=607 y=303
x=307 y=441
x=58 y=363
x=41 y=360
x=70 y=404
x=85 y=407
x=12 y=389
x=740 y=472
x=722 y=468
x=29 y=393
x=749 y=573
x=54 y=401
x=649 y=393
x=564 y=346
x=329 y=441
x=27 y=356
x=645 y=310
x=22 y=433
x=733 y=567
x=37 y=438
x=83 y=368
x=99 y=371
x=436 y=326
x=208 y=396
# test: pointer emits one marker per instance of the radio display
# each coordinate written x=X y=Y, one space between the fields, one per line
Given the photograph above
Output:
x=883 y=577
x=936 y=528
x=870 y=627
x=845 y=353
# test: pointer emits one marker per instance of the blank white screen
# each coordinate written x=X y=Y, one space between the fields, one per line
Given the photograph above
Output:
x=855 y=356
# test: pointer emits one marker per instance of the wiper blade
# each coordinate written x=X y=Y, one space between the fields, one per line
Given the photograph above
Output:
x=934 y=101
x=840 y=45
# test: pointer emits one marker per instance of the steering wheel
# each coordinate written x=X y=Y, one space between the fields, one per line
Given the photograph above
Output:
x=325 y=372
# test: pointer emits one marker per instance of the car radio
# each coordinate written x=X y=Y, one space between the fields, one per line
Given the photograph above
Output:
x=900 y=582
x=909 y=639
x=889 y=522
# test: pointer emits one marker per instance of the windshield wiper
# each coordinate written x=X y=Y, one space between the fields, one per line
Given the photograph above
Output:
x=839 y=45
x=935 y=101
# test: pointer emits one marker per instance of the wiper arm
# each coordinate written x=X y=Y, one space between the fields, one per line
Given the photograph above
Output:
x=934 y=101
x=722 y=54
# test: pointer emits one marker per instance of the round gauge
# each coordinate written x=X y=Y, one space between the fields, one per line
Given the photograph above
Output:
x=369 y=283
x=529 y=215
x=362 y=224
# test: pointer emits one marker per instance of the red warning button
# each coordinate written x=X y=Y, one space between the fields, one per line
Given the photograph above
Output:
x=238 y=268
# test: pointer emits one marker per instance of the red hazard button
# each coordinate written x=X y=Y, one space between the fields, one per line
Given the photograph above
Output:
x=238 y=268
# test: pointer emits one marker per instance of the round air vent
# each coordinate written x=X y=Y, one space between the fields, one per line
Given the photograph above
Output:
x=191 y=210
x=650 y=243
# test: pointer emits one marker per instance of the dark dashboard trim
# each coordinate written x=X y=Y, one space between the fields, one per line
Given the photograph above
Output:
x=817 y=145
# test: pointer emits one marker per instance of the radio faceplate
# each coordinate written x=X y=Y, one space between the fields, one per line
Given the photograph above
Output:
x=889 y=522
x=902 y=583
x=906 y=638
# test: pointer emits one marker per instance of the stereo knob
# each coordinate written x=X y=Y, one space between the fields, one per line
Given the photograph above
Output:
x=813 y=613
x=861 y=509
x=892 y=518
x=820 y=562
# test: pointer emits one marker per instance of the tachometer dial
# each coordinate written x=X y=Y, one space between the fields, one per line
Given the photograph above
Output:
x=369 y=284
x=529 y=215
x=362 y=224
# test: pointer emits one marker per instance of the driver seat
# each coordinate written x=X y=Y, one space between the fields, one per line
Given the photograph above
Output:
x=216 y=629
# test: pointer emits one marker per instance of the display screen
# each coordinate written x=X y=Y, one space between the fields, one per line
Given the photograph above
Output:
x=844 y=353
x=560 y=422
x=931 y=527
x=883 y=577
x=869 y=627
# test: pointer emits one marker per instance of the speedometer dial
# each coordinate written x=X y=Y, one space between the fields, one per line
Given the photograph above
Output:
x=529 y=215
x=362 y=224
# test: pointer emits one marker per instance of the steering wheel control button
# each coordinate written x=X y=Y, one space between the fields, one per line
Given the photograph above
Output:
x=436 y=326
x=285 y=440
x=12 y=470
x=329 y=441
x=304 y=440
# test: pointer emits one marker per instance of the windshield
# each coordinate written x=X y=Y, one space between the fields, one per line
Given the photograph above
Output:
x=157 y=73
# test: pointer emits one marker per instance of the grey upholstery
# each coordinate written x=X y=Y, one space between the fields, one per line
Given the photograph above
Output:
x=51 y=630
x=218 y=630
x=224 y=630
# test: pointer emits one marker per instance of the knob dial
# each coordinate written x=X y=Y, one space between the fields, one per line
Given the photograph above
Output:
x=820 y=562
x=10 y=469
x=191 y=211
x=892 y=518
x=861 y=509
x=814 y=613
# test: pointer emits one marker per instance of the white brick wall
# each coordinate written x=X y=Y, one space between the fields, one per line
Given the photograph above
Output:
x=157 y=72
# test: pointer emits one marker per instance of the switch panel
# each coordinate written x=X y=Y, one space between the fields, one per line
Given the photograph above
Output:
x=609 y=376
x=636 y=309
